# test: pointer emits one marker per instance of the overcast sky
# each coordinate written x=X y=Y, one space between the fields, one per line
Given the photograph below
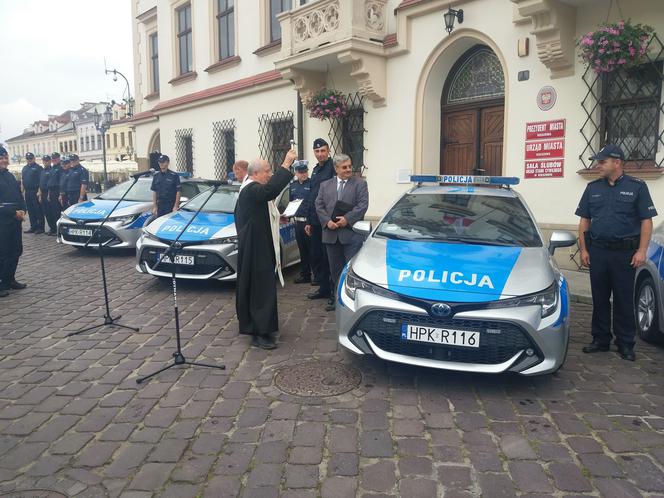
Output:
x=53 y=57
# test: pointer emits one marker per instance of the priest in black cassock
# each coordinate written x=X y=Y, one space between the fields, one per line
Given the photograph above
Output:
x=259 y=262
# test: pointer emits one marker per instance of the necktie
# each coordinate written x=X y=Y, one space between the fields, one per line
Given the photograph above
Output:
x=340 y=188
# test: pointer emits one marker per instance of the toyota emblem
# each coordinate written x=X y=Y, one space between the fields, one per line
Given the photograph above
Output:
x=441 y=309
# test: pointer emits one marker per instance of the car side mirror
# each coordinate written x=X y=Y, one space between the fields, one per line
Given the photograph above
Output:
x=183 y=200
x=561 y=239
x=362 y=227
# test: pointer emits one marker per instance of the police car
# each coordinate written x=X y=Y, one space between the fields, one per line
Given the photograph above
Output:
x=649 y=290
x=78 y=222
x=456 y=276
x=209 y=245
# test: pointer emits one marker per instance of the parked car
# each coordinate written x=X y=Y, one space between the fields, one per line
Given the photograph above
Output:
x=209 y=245
x=649 y=291
x=78 y=222
x=457 y=277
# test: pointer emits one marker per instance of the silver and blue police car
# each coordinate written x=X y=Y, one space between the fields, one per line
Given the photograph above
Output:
x=457 y=277
x=649 y=290
x=78 y=222
x=209 y=245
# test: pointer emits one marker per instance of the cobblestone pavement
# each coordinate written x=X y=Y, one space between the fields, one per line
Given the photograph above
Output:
x=73 y=419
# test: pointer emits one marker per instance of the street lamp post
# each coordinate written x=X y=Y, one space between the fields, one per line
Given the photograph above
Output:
x=128 y=100
x=102 y=124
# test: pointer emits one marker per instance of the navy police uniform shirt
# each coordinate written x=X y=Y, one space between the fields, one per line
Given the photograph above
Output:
x=54 y=178
x=166 y=185
x=45 y=178
x=616 y=211
x=320 y=173
x=63 y=180
x=11 y=199
x=77 y=176
x=300 y=191
x=30 y=176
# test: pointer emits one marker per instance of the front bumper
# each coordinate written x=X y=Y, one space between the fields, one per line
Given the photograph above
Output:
x=211 y=261
x=113 y=234
x=511 y=339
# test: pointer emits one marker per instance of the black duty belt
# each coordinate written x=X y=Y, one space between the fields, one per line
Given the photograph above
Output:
x=627 y=244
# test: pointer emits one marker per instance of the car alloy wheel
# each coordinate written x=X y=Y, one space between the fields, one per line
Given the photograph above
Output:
x=646 y=312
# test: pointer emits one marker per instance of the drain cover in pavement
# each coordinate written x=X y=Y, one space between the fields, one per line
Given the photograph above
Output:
x=317 y=378
x=33 y=493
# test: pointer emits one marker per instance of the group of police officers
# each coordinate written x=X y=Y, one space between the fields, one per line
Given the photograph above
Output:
x=616 y=213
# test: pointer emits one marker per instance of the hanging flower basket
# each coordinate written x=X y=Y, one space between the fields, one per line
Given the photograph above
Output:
x=615 y=46
x=327 y=104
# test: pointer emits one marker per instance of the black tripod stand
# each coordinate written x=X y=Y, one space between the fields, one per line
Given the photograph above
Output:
x=178 y=357
x=108 y=319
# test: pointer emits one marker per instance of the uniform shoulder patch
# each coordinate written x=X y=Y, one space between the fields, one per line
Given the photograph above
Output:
x=634 y=179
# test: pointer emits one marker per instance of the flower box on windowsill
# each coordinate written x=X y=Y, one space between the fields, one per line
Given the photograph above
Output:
x=223 y=64
x=191 y=75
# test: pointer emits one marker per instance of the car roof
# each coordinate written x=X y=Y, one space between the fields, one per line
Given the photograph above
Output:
x=465 y=190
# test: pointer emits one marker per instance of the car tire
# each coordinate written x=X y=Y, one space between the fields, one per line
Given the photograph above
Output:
x=646 y=312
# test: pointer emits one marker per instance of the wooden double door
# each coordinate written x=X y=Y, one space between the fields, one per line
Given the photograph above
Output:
x=472 y=141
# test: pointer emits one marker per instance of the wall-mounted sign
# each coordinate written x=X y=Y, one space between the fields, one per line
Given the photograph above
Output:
x=545 y=129
x=545 y=149
x=546 y=98
x=544 y=169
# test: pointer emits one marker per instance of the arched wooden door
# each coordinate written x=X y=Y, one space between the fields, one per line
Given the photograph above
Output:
x=472 y=115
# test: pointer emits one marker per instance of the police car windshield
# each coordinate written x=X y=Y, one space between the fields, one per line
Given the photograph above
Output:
x=460 y=218
x=140 y=193
x=222 y=201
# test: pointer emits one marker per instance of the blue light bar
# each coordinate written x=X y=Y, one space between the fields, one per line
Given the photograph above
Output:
x=185 y=174
x=463 y=179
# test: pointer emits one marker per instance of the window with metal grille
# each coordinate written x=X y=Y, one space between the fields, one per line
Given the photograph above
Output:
x=275 y=131
x=154 y=61
x=277 y=7
x=347 y=133
x=223 y=133
x=624 y=107
x=226 y=28
x=184 y=150
x=185 y=52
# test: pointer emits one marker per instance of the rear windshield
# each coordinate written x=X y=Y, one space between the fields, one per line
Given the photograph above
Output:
x=141 y=192
x=466 y=219
x=223 y=200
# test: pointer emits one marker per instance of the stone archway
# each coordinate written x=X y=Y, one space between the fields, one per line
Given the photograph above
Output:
x=154 y=150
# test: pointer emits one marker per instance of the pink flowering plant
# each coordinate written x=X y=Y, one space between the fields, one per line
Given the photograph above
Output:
x=327 y=104
x=615 y=46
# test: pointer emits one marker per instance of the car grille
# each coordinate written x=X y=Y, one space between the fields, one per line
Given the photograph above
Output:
x=104 y=235
x=204 y=262
x=384 y=329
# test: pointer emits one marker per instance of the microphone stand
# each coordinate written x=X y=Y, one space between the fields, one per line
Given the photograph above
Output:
x=178 y=357
x=108 y=319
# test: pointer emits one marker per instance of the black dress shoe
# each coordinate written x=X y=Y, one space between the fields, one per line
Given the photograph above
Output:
x=50 y=233
x=330 y=306
x=29 y=231
x=315 y=283
x=17 y=285
x=4 y=293
x=302 y=279
x=263 y=343
x=319 y=295
x=626 y=353
x=39 y=231
x=596 y=347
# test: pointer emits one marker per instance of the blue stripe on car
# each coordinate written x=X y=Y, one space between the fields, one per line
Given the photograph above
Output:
x=203 y=227
x=448 y=272
x=96 y=209
x=140 y=221
x=563 y=303
x=340 y=287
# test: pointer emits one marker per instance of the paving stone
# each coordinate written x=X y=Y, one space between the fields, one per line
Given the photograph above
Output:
x=376 y=444
x=600 y=465
x=264 y=474
x=645 y=474
x=517 y=448
x=305 y=455
x=343 y=464
x=151 y=476
x=301 y=476
x=417 y=488
x=380 y=476
x=338 y=487
x=568 y=477
x=530 y=477
x=496 y=486
x=343 y=439
x=454 y=476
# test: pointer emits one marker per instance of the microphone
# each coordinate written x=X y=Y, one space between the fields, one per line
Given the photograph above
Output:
x=143 y=173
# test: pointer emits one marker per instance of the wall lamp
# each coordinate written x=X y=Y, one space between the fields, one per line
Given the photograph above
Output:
x=449 y=19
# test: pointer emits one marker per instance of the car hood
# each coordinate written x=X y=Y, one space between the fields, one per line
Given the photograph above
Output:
x=451 y=272
x=205 y=226
x=98 y=209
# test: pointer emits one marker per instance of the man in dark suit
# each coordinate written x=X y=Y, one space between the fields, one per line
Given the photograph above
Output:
x=341 y=201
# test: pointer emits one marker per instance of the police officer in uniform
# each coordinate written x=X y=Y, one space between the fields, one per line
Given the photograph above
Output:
x=12 y=213
x=42 y=195
x=166 y=189
x=616 y=224
x=53 y=192
x=324 y=170
x=300 y=188
x=30 y=176
x=66 y=169
x=77 y=182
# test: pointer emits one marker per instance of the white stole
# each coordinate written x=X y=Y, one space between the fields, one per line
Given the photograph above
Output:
x=274 y=226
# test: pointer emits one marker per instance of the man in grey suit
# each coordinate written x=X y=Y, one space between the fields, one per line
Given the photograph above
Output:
x=350 y=196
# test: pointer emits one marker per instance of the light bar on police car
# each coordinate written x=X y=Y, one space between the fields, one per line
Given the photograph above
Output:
x=456 y=179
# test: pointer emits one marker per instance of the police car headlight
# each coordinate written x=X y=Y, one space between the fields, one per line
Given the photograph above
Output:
x=353 y=283
x=547 y=300
x=223 y=240
x=65 y=217
x=125 y=220
x=149 y=235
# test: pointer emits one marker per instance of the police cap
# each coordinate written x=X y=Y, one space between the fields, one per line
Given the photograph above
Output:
x=3 y=152
x=319 y=142
x=55 y=155
x=73 y=157
x=609 y=151
x=66 y=160
x=46 y=157
x=163 y=158
x=29 y=155
x=301 y=166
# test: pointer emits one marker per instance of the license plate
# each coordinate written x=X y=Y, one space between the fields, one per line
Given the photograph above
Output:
x=179 y=260
x=444 y=337
x=80 y=231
